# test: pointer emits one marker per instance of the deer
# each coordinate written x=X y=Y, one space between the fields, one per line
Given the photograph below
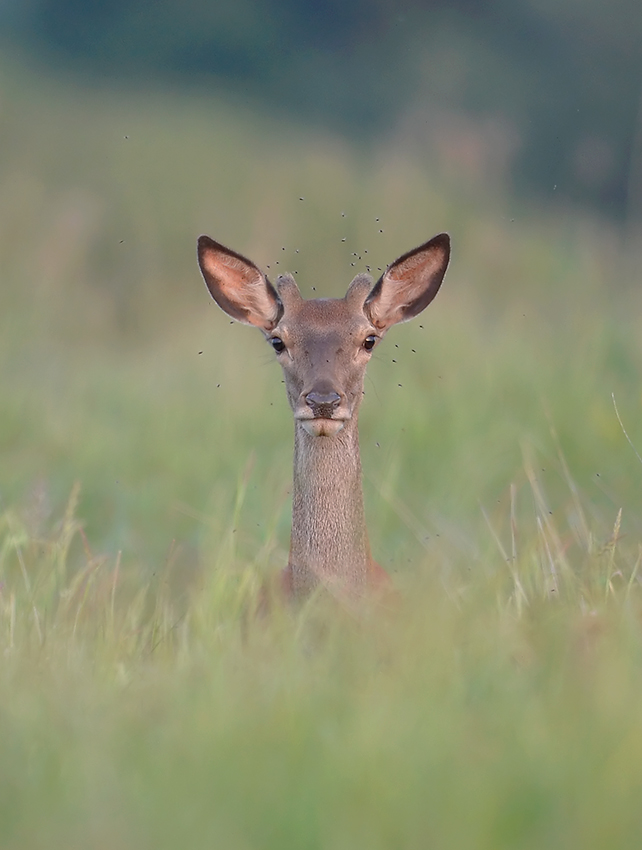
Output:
x=323 y=346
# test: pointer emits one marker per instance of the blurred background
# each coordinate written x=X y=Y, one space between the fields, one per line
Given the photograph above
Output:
x=323 y=138
x=543 y=96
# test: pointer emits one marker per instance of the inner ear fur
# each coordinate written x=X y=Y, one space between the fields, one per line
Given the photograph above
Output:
x=409 y=284
x=238 y=286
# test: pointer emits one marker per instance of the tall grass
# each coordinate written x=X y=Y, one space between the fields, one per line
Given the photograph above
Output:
x=499 y=706
x=144 y=486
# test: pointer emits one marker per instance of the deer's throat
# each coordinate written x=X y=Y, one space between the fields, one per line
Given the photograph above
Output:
x=329 y=539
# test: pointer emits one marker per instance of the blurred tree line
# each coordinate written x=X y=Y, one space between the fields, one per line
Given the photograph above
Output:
x=547 y=93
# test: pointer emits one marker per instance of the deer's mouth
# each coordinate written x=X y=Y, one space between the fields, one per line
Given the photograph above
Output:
x=322 y=426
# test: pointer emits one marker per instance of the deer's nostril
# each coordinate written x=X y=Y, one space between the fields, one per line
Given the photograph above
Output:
x=323 y=403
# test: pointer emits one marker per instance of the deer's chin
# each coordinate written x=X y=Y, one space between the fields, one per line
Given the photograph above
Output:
x=322 y=427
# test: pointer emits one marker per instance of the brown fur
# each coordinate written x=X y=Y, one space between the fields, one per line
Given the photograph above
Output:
x=324 y=358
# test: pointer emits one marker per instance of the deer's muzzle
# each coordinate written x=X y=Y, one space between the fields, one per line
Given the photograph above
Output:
x=321 y=412
x=323 y=405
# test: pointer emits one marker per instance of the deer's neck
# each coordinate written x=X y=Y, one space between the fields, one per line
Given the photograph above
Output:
x=329 y=538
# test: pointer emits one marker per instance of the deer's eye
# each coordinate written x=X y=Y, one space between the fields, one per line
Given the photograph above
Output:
x=369 y=342
x=277 y=344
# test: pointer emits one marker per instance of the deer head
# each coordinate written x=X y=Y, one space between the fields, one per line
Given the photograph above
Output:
x=324 y=344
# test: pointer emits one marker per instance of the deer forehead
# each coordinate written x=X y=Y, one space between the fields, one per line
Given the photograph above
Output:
x=324 y=321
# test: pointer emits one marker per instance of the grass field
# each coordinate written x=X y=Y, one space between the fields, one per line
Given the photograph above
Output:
x=145 y=448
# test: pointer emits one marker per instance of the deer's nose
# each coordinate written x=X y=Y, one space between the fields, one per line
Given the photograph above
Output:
x=323 y=404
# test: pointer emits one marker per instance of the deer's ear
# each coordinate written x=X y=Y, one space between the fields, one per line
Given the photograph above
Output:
x=238 y=286
x=409 y=285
